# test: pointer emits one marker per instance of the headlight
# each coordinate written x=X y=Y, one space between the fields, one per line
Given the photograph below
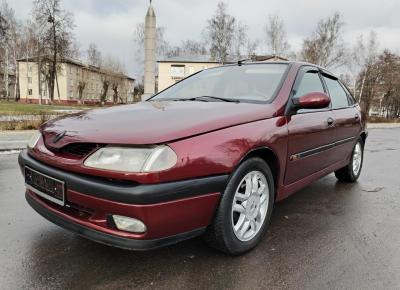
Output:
x=34 y=139
x=128 y=159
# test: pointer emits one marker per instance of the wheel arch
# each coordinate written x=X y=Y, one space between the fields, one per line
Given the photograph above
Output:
x=269 y=156
x=363 y=136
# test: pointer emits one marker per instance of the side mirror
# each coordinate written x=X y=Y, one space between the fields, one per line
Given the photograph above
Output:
x=313 y=100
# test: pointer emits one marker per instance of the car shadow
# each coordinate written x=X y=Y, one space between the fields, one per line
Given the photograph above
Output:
x=300 y=225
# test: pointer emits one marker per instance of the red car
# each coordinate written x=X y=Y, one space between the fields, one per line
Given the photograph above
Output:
x=208 y=156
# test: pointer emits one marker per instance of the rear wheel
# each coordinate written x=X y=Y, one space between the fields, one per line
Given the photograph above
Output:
x=352 y=171
x=245 y=208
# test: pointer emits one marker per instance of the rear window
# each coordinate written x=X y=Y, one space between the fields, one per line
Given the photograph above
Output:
x=252 y=82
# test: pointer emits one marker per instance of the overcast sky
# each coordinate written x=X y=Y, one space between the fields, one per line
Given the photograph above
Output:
x=110 y=24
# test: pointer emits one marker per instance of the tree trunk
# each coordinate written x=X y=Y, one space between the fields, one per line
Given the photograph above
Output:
x=362 y=86
x=54 y=69
x=58 y=89
x=6 y=73
x=15 y=73
x=39 y=69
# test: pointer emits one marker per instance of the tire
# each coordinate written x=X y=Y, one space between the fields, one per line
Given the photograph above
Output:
x=225 y=232
x=352 y=171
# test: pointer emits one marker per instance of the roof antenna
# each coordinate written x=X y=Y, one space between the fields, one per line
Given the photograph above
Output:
x=241 y=61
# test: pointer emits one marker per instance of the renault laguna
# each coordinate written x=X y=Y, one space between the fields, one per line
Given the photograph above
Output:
x=210 y=156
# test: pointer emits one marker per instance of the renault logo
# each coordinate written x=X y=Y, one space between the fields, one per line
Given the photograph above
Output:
x=59 y=136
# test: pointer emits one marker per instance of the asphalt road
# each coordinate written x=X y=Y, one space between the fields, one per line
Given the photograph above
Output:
x=330 y=235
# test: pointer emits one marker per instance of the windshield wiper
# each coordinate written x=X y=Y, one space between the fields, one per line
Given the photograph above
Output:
x=201 y=99
x=204 y=98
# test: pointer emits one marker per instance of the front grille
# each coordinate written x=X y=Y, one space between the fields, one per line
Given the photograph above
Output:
x=80 y=149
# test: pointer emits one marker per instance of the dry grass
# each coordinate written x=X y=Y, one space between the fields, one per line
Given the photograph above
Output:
x=12 y=108
x=382 y=120
x=29 y=124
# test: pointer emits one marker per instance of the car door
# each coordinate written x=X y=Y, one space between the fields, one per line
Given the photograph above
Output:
x=346 y=115
x=311 y=131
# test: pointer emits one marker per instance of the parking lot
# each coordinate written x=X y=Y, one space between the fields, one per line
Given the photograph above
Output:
x=329 y=235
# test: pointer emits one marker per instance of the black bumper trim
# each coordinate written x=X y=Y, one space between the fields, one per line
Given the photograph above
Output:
x=107 y=239
x=128 y=193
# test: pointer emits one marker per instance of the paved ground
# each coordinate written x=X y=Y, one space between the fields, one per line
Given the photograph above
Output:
x=328 y=236
x=10 y=140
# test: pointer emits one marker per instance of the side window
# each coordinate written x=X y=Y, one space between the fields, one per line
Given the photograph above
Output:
x=350 y=97
x=310 y=82
x=337 y=93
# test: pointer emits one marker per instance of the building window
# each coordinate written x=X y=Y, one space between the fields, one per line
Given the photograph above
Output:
x=177 y=71
x=30 y=92
x=29 y=80
x=30 y=68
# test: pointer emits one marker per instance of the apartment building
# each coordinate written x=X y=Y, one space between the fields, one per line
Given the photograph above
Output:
x=173 y=69
x=77 y=83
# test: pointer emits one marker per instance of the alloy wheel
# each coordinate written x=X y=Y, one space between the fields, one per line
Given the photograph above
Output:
x=250 y=205
x=357 y=158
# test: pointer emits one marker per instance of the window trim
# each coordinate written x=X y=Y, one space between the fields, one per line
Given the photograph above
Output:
x=303 y=69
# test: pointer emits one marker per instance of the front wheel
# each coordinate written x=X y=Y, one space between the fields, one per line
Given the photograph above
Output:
x=352 y=171
x=245 y=208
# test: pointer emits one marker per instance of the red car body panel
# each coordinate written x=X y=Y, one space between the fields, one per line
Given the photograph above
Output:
x=182 y=215
x=210 y=139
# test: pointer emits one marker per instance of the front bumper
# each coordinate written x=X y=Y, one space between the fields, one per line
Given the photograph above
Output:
x=106 y=238
x=172 y=211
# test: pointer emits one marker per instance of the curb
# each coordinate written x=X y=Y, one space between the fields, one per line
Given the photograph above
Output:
x=11 y=149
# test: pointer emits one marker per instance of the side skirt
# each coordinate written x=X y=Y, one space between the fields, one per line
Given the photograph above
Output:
x=286 y=190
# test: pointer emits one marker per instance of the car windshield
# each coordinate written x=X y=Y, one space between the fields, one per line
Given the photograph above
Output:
x=249 y=82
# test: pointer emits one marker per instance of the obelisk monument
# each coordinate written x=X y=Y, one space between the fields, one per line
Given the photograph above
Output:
x=149 y=54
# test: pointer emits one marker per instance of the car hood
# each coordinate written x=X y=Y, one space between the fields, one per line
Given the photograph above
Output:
x=150 y=122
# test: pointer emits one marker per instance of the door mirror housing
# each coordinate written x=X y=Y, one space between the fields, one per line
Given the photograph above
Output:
x=313 y=100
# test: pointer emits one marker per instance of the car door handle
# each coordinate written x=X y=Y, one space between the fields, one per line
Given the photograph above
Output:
x=330 y=122
x=356 y=117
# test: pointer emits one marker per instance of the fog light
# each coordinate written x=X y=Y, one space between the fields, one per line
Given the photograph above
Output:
x=129 y=224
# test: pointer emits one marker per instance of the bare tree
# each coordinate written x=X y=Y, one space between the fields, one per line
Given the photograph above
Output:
x=4 y=34
x=93 y=55
x=363 y=58
x=276 y=39
x=3 y=27
x=240 y=41
x=55 y=26
x=112 y=64
x=188 y=47
x=11 y=46
x=251 y=47
x=326 y=47
x=106 y=83
x=220 y=33
x=115 y=87
x=389 y=84
x=81 y=88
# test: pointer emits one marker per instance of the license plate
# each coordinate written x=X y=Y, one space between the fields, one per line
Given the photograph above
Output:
x=45 y=186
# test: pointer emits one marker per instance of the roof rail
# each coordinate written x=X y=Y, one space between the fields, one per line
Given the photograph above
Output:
x=271 y=57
